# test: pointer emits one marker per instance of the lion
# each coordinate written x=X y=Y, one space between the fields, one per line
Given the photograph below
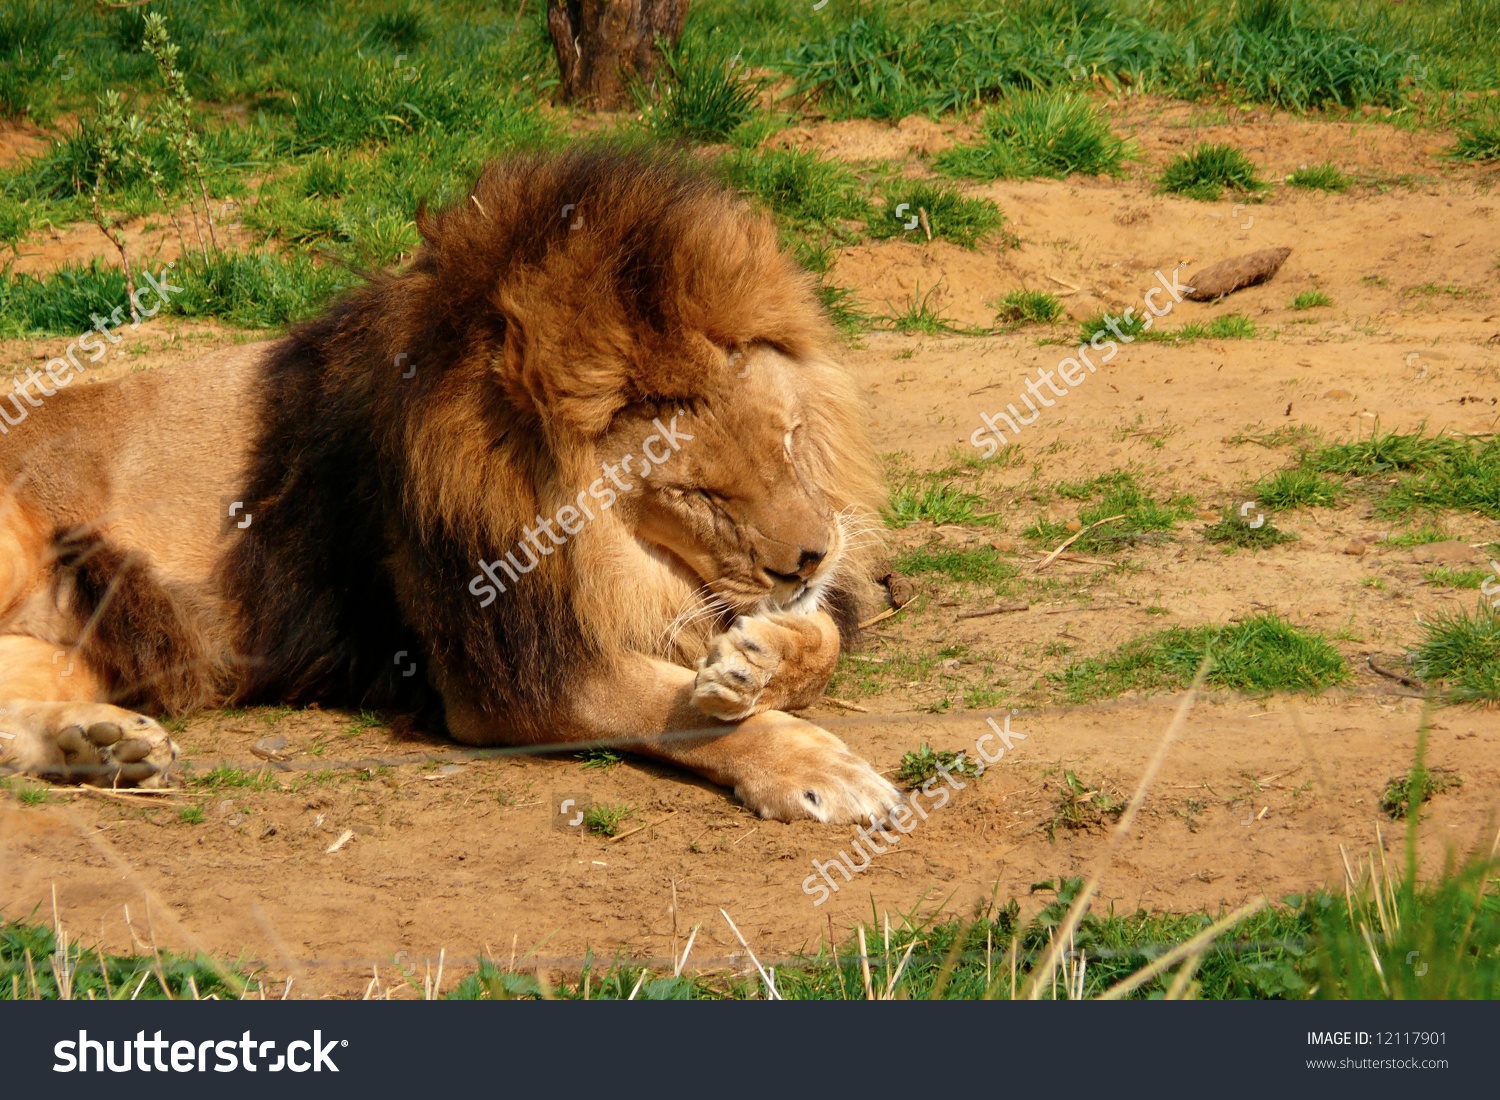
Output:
x=585 y=471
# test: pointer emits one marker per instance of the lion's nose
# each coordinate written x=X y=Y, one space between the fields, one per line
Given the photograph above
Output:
x=808 y=563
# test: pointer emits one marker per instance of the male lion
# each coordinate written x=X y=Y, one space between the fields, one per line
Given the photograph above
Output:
x=584 y=471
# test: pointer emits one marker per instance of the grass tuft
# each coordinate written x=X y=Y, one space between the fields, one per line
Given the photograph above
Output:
x=1311 y=299
x=1028 y=307
x=1052 y=134
x=1208 y=170
x=1260 y=654
x=919 y=208
x=1461 y=650
x=1320 y=177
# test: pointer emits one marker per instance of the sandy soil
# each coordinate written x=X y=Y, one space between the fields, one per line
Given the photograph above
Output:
x=456 y=851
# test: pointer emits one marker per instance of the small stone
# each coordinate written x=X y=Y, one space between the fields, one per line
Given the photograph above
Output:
x=1338 y=395
x=1356 y=548
x=1073 y=526
x=952 y=662
x=1004 y=546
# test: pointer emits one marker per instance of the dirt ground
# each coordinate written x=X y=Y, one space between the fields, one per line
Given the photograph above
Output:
x=454 y=851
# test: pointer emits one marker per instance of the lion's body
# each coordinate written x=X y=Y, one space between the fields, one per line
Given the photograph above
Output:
x=438 y=496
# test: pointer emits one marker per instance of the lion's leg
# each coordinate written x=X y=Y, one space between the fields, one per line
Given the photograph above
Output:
x=53 y=724
x=767 y=662
x=780 y=766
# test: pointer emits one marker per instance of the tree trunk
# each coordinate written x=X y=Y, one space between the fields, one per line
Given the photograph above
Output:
x=602 y=44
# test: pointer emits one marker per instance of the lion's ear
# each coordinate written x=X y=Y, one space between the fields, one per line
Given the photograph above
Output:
x=510 y=363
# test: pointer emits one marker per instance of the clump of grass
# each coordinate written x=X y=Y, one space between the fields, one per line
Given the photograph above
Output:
x=1311 y=299
x=191 y=815
x=800 y=188
x=226 y=777
x=1237 y=530
x=917 y=500
x=1433 y=472
x=1320 y=177
x=1108 y=326
x=1260 y=654
x=979 y=565
x=1028 y=307
x=1418 y=785
x=843 y=308
x=1477 y=140
x=1039 y=133
x=1208 y=170
x=1229 y=326
x=1447 y=577
x=1145 y=519
x=921 y=764
x=920 y=316
x=1461 y=651
x=933 y=211
x=1081 y=806
x=700 y=96
x=1297 y=488
x=603 y=820
x=602 y=759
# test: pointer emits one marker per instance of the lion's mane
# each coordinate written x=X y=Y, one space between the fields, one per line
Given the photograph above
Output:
x=565 y=288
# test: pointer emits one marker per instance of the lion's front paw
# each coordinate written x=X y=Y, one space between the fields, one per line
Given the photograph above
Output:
x=801 y=771
x=85 y=742
x=766 y=662
x=732 y=679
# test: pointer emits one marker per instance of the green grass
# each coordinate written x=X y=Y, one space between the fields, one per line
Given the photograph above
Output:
x=1145 y=518
x=36 y=965
x=1082 y=806
x=191 y=815
x=982 y=565
x=949 y=215
x=1206 y=171
x=1478 y=141
x=920 y=500
x=1461 y=652
x=1297 y=488
x=1447 y=577
x=699 y=96
x=1416 y=785
x=603 y=820
x=1320 y=177
x=601 y=759
x=1235 y=530
x=1419 y=473
x=922 y=763
x=224 y=777
x=1228 y=326
x=1260 y=654
x=1311 y=299
x=1053 y=134
x=1028 y=307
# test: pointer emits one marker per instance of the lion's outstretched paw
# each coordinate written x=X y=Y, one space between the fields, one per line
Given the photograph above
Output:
x=85 y=742
x=802 y=771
